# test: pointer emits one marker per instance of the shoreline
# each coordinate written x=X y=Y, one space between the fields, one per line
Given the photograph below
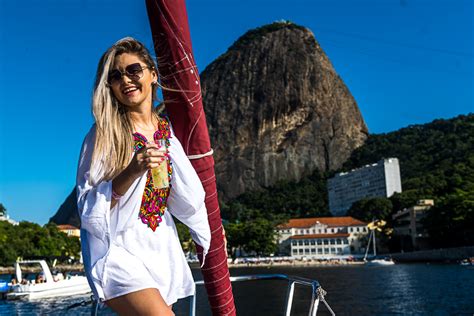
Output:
x=195 y=265
x=293 y=264
x=296 y=263
x=65 y=268
x=35 y=269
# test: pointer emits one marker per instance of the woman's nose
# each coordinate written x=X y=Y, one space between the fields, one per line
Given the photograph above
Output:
x=125 y=78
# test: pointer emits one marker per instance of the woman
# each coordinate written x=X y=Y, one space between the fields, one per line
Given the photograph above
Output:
x=132 y=255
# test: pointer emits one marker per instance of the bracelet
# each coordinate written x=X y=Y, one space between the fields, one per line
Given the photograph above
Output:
x=116 y=196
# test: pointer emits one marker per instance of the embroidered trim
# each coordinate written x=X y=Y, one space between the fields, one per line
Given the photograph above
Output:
x=154 y=201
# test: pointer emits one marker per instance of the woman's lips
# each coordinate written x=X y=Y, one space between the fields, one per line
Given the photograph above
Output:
x=129 y=92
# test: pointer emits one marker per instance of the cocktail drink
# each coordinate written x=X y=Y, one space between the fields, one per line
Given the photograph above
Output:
x=160 y=173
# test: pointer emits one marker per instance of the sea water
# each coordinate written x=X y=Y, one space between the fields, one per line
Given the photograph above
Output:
x=401 y=289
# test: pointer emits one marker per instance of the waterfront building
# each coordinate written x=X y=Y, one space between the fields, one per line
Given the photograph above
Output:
x=381 y=179
x=322 y=237
x=408 y=226
x=70 y=230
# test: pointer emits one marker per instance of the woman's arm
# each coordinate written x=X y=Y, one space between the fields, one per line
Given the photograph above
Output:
x=94 y=201
x=146 y=158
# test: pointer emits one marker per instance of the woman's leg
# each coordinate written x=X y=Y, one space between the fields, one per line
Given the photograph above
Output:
x=144 y=302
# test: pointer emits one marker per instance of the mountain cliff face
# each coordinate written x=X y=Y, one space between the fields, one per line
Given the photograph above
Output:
x=277 y=109
x=67 y=212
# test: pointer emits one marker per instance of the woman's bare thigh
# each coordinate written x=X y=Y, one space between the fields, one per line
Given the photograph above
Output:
x=144 y=302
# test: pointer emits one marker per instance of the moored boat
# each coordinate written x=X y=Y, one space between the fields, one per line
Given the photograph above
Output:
x=374 y=261
x=467 y=262
x=46 y=286
x=379 y=262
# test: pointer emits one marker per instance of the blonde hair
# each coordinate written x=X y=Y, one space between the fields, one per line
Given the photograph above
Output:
x=113 y=146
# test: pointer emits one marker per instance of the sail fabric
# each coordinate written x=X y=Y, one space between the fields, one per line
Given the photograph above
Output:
x=177 y=70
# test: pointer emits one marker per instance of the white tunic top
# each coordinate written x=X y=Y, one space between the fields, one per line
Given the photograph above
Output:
x=121 y=254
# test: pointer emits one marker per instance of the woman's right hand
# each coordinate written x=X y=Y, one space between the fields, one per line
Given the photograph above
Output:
x=148 y=157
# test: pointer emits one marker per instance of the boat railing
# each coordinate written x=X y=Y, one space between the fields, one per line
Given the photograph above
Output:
x=317 y=291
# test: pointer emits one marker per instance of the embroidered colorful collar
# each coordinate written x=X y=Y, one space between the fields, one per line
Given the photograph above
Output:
x=154 y=201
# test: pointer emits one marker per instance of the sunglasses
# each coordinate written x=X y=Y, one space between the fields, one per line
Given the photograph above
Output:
x=132 y=71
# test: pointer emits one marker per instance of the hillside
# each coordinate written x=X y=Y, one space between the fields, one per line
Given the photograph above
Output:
x=436 y=161
x=435 y=158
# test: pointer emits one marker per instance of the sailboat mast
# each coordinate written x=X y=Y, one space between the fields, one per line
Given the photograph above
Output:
x=368 y=245
x=375 y=248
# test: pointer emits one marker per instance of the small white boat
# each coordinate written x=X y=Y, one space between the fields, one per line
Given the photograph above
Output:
x=467 y=262
x=375 y=261
x=379 y=262
x=50 y=287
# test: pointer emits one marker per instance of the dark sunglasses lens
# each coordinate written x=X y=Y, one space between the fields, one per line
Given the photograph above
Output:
x=134 y=70
x=114 y=76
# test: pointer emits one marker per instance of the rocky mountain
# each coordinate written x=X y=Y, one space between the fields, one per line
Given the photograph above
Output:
x=67 y=212
x=277 y=109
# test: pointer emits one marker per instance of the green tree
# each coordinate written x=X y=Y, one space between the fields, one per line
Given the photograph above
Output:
x=371 y=208
x=257 y=235
x=235 y=240
x=405 y=199
x=451 y=221
x=185 y=237
x=285 y=199
x=31 y=240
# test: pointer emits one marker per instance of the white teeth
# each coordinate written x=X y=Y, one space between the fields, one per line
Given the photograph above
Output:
x=129 y=90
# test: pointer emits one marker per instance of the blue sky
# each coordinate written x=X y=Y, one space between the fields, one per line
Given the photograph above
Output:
x=405 y=62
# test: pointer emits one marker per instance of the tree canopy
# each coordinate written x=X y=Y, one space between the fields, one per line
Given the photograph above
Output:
x=32 y=240
x=369 y=209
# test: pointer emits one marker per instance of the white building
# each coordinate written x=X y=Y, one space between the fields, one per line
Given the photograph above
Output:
x=322 y=237
x=70 y=230
x=381 y=179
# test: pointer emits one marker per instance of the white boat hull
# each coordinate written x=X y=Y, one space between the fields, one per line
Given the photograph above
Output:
x=379 y=262
x=74 y=286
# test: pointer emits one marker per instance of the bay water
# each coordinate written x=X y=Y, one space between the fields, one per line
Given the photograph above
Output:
x=401 y=289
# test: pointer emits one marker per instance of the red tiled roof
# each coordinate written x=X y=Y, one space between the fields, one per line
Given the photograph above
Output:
x=330 y=221
x=316 y=236
x=65 y=227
